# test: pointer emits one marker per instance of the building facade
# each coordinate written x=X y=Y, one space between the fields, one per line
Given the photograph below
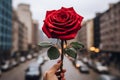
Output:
x=35 y=29
x=96 y=31
x=86 y=34
x=24 y=32
x=15 y=32
x=82 y=35
x=90 y=34
x=5 y=26
x=19 y=34
x=25 y=16
x=110 y=29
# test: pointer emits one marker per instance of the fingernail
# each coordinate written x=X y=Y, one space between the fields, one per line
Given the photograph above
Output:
x=59 y=61
x=64 y=70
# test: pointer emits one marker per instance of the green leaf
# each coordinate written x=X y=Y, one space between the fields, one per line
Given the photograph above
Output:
x=77 y=45
x=45 y=44
x=53 y=53
x=71 y=52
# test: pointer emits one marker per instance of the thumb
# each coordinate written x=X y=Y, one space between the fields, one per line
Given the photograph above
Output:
x=55 y=67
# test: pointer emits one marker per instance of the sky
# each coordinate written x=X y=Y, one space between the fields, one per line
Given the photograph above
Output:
x=86 y=8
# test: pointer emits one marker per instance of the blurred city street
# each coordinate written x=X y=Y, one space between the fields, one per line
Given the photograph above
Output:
x=72 y=72
x=18 y=73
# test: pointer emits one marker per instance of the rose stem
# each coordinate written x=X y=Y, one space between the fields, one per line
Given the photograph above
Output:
x=62 y=55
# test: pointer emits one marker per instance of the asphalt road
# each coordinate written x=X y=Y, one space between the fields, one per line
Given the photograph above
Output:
x=17 y=73
x=72 y=73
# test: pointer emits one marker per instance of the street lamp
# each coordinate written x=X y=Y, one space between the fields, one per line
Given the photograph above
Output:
x=97 y=50
x=92 y=48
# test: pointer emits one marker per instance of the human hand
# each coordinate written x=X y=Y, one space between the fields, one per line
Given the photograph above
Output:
x=54 y=74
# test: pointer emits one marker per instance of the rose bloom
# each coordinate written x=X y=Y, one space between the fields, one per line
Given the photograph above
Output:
x=62 y=24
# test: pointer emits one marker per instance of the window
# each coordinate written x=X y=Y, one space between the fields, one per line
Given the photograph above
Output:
x=2 y=22
x=2 y=11
x=2 y=29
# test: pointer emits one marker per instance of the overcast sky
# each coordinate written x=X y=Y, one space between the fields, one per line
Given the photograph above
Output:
x=86 y=8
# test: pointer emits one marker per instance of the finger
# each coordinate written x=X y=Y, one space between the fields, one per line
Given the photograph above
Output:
x=63 y=79
x=63 y=70
x=45 y=76
x=62 y=75
x=58 y=61
x=57 y=73
x=55 y=67
x=59 y=78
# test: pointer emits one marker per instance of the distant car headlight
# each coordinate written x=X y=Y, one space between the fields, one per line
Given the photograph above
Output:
x=77 y=65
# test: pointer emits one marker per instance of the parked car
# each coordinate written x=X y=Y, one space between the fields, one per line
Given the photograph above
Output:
x=90 y=63
x=22 y=59
x=5 y=65
x=108 y=77
x=100 y=68
x=82 y=67
x=40 y=60
x=33 y=72
x=15 y=58
x=85 y=60
x=14 y=63
x=45 y=58
x=29 y=56
x=78 y=63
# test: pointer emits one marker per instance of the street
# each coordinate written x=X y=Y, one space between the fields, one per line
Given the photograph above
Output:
x=17 y=73
x=72 y=73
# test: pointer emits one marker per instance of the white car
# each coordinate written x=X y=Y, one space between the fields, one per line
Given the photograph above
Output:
x=82 y=67
x=33 y=72
x=45 y=58
x=22 y=59
x=14 y=63
x=85 y=60
x=90 y=63
x=40 y=60
x=6 y=65
x=100 y=68
x=29 y=56
x=79 y=63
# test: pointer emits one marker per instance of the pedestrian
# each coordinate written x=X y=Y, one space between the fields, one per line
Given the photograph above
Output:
x=54 y=74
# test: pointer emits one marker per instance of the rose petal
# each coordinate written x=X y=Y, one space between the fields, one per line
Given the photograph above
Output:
x=49 y=12
x=46 y=31
x=68 y=37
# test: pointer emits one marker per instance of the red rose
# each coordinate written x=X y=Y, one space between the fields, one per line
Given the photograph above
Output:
x=62 y=24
